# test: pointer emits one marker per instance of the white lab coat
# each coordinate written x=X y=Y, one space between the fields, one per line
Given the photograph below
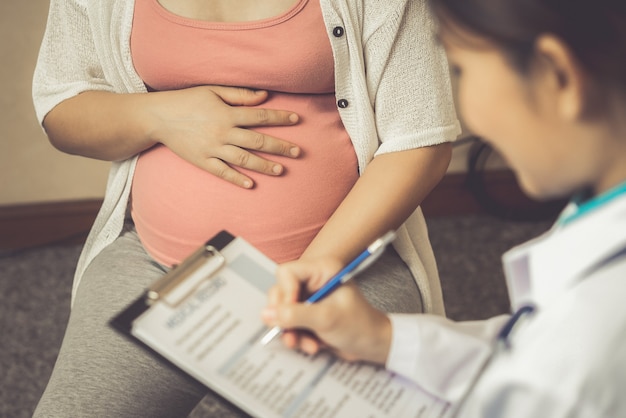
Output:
x=565 y=359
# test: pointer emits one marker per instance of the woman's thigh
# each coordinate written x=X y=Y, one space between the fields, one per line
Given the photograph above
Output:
x=100 y=373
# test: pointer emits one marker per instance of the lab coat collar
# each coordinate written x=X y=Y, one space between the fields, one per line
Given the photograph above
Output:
x=540 y=270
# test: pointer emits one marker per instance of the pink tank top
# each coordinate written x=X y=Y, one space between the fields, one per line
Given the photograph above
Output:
x=175 y=205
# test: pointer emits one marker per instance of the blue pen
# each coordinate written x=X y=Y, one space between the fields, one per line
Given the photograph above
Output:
x=360 y=263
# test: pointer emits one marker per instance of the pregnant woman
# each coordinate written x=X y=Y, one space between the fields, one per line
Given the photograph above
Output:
x=300 y=125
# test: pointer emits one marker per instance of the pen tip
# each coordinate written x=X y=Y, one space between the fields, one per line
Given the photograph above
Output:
x=270 y=335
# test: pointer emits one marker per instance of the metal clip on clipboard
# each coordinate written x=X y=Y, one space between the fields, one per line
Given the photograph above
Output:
x=185 y=278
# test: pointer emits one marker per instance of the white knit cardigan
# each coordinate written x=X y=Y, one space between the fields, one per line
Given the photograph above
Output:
x=387 y=66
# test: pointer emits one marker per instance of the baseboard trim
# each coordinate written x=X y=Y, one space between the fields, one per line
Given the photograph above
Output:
x=32 y=225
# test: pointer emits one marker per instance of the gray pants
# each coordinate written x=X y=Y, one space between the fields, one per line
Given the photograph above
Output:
x=100 y=373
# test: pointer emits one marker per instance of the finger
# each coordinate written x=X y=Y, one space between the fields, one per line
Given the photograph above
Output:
x=290 y=281
x=301 y=340
x=247 y=116
x=310 y=317
x=290 y=339
x=240 y=157
x=222 y=170
x=309 y=344
x=239 y=96
x=311 y=274
x=249 y=139
x=274 y=296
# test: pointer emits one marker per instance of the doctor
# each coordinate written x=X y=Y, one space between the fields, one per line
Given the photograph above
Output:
x=544 y=81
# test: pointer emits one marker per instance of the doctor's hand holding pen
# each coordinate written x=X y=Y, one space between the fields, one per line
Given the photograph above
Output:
x=344 y=322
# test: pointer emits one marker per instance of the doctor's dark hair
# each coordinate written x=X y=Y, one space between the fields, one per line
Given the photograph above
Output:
x=594 y=30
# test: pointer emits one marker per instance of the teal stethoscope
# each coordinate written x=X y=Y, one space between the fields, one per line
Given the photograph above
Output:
x=579 y=207
x=576 y=209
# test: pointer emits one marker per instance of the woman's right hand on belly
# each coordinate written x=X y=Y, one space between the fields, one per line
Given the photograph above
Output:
x=208 y=126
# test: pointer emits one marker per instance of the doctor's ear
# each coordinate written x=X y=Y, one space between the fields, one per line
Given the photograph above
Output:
x=563 y=76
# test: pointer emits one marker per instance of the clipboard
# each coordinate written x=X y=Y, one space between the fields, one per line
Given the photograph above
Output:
x=203 y=318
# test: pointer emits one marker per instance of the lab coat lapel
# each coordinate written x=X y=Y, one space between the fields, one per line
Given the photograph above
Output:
x=541 y=269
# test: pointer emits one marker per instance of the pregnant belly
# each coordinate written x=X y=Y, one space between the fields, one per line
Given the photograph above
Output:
x=177 y=206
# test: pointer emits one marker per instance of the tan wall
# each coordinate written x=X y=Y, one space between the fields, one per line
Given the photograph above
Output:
x=31 y=170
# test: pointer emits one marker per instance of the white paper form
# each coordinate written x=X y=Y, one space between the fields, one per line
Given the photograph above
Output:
x=214 y=336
